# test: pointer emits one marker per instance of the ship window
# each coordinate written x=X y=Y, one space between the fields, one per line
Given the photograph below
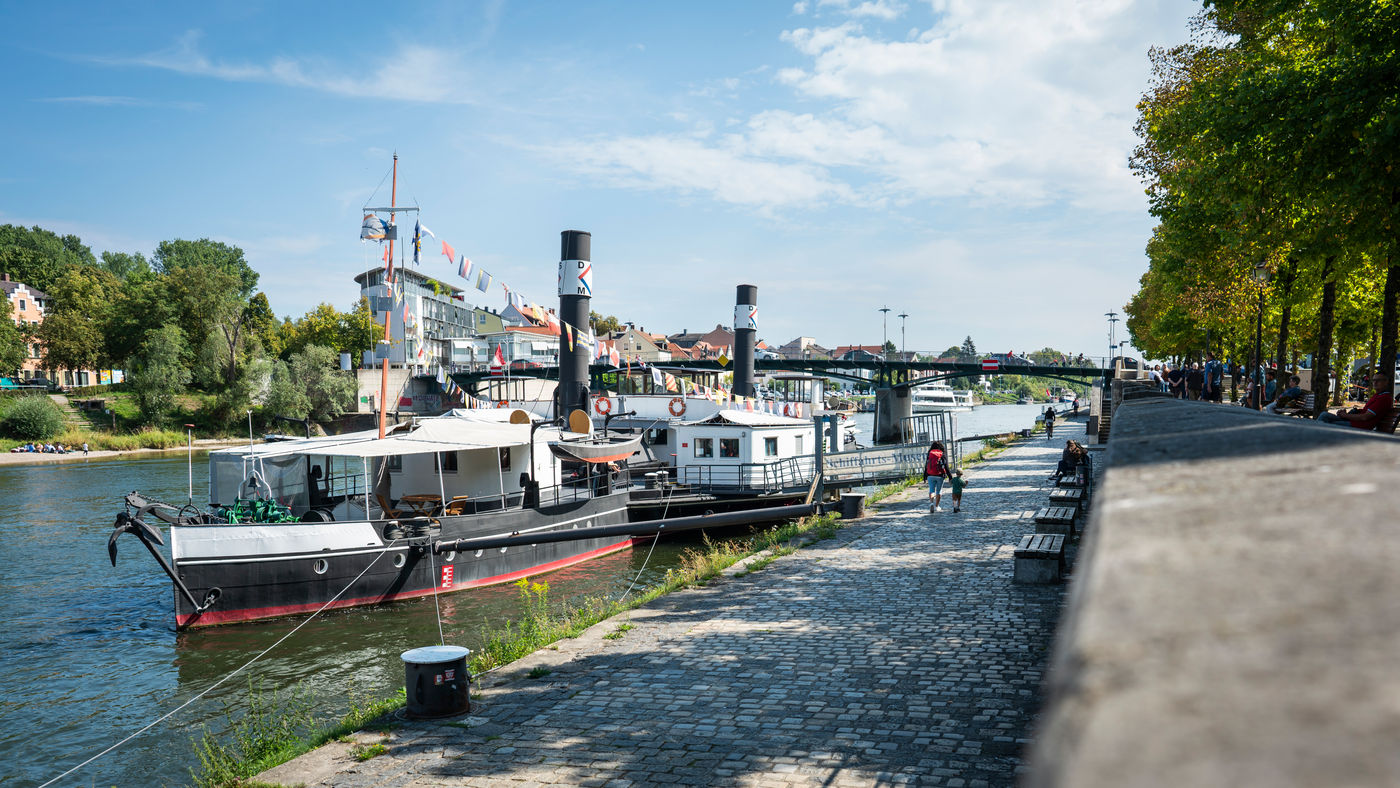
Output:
x=729 y=447
x=656 y=437
x=505 y=458
x=799 y=445
x=704 y=447
x=447 y=462
x=770 y=447
x=395 y=463
x=399 y=560
x=320 y=566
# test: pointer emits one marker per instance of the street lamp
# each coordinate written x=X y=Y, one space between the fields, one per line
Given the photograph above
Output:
x=1261 y=277
x=903 y=348
x=1112 y=319
x=885 y=331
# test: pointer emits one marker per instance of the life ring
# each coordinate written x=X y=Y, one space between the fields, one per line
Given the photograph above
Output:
x=844 y=417
x=503 y=404
x=677 y=406
x=603 y=406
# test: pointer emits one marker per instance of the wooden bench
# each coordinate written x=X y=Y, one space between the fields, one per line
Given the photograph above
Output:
x=1057 y=519
x=1067 y=496
x=1040 y=559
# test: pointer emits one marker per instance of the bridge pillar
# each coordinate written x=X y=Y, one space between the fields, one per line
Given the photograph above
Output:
x=891 y=405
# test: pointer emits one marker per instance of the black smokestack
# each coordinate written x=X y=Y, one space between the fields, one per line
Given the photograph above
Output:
x=575 y=295
x=745 y=335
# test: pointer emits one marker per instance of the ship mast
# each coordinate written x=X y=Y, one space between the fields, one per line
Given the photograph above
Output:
x=389 y=313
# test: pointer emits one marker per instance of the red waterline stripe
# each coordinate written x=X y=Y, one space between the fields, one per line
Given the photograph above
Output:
x=213 y=617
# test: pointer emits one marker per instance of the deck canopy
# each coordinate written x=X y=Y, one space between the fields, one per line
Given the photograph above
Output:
x=745 y=418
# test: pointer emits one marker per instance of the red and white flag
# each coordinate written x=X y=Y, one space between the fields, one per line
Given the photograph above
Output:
x=498 y=360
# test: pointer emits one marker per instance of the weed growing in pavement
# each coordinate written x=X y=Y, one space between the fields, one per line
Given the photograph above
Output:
x=362 y=752
x=538 y=672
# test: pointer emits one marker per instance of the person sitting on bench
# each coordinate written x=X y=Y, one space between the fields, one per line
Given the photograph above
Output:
x=1369 y=416
x=1291 y=397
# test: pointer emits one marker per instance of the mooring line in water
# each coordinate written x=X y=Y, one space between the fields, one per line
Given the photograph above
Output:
x=432 y=573
x=220 y=682
x=664 y=510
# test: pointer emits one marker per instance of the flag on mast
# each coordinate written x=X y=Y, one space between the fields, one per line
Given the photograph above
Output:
x=417 y=240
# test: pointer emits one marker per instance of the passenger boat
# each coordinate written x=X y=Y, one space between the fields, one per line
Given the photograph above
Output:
x=939 y=396
x=298 y=525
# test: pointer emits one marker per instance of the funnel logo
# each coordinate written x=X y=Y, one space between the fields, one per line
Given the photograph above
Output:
x=745 y=316
x=576 y=278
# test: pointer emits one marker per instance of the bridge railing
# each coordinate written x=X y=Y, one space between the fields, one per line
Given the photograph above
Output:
x=876 y=465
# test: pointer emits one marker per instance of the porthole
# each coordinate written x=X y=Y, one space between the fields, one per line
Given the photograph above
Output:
x=478 y=553
x=451 y=556
x=399 y=560
x=320 y=566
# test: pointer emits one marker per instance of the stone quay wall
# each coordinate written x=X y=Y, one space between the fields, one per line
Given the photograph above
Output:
x=1235 y=613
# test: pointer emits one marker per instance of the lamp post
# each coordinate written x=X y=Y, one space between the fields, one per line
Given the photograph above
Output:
x=1261 y=277
x=903 y=348
x=1112 y=319
x=884 y=331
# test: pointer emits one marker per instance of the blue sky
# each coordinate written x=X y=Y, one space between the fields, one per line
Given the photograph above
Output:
x=964 y=161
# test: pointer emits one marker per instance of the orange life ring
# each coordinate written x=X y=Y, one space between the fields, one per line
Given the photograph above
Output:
x=677 y=406
x=503 y=404
x=603 y=406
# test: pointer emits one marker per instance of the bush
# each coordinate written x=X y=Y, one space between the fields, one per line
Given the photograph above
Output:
x=33 y=419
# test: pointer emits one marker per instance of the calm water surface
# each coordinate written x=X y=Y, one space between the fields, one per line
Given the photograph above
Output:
x=88 y=653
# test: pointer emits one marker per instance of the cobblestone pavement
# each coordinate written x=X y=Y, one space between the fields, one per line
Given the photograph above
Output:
x=898 y=652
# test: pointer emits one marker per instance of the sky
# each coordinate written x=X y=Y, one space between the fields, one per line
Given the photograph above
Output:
x=964 y=162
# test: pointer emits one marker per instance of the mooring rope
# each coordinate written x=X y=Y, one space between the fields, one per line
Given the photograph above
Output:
x=664 y=509
x=221 y=681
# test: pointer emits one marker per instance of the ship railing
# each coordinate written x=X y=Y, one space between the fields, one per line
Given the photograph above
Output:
x=789 y=473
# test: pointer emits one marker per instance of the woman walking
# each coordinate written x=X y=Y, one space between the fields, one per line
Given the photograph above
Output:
x=1050 y=423
x=936 y=470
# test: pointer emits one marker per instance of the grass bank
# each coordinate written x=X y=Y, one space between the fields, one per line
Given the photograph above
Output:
x=271 y=729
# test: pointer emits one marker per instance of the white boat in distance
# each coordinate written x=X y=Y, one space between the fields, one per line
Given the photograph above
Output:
x=939 y=396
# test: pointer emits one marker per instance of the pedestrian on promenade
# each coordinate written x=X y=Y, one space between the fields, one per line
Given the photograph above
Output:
x=1050 y=422
x=958 y=483
x=1215 y=379
x=1176 y=382
x=85 y=448
x=1195 y=381
x=936 y=470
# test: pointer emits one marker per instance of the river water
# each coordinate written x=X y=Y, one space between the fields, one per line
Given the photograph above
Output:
x=88 y=654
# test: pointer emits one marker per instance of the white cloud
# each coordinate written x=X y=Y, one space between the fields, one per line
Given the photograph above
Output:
x=998 y=101
x=690 y=165
x=413 y=73
x=118 y=101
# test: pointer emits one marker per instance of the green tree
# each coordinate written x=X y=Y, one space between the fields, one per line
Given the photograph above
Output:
x=177 y=256
x=159 y=373
x=38 y=257
x=329 y=391
x=72 y=331
x=968 y=352
x=13 y=349
x=358 y=331
x=261 y=325
x=889 y=346
x=285 y=395
x=124 y=266
x=140 y=304
x=604 y=325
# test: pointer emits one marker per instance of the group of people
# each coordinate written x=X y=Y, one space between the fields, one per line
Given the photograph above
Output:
x=1195 y=381
x=48 y=448
x=1198 y=381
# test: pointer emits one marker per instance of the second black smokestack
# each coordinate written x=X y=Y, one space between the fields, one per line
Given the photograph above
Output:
x=575 y=295
x=745 y=335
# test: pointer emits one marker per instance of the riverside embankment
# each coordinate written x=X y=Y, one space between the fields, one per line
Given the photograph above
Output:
x=1233 y=620
x=897 y=651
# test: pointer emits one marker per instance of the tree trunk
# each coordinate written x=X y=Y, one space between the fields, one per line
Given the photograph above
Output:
x=1322 y=362
x=1386 y=358
x=1287 y=276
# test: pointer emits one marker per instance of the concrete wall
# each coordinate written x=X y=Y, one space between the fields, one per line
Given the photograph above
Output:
x=1234 y=618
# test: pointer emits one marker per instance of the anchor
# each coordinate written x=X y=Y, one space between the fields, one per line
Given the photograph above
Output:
x=150 y=537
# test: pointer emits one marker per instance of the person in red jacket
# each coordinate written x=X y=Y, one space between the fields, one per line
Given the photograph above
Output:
x=1370 y=415
x=936 y=470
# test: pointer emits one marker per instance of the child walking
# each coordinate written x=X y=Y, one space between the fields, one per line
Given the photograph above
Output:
x=958 y=483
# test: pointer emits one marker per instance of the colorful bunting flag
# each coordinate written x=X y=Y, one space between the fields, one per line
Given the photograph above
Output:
x=483 y=281
x=448 y=251
x=464 y=268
